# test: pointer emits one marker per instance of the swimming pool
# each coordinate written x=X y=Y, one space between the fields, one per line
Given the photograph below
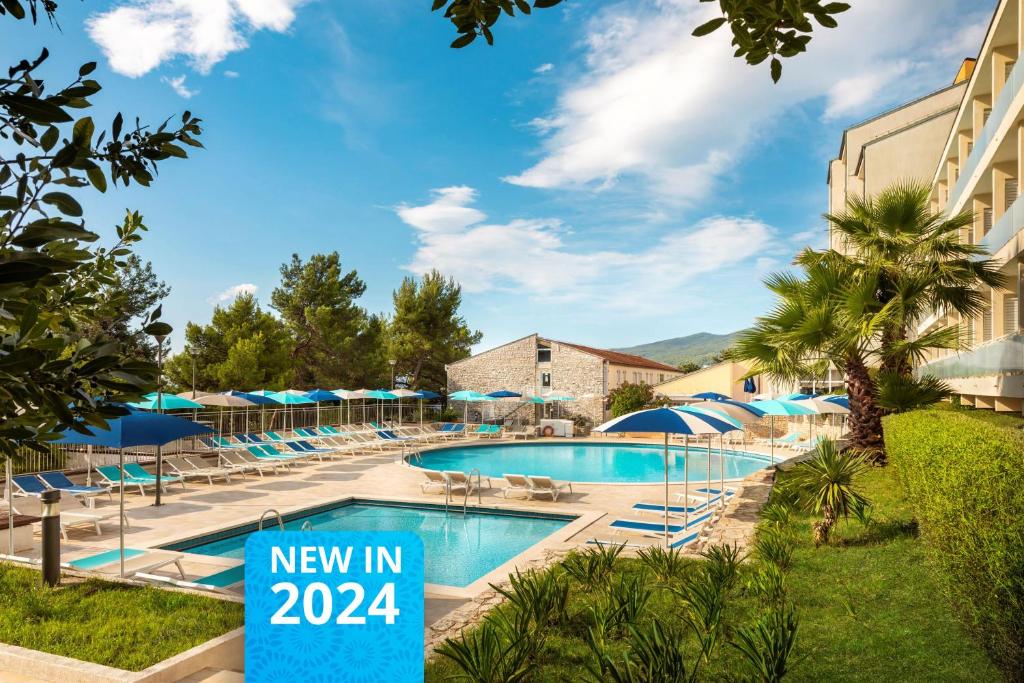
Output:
x=458 y=549
x=611 y=463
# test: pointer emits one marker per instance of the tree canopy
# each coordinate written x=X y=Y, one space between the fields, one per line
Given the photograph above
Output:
x=427 y=331
x=761 y=29
x=59 y=366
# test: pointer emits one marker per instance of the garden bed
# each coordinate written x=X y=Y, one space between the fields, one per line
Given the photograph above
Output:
x=114 y=624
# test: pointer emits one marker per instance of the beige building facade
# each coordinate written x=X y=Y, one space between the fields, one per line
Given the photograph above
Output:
x=979 y=170
x=900 y=144
x=538 y=366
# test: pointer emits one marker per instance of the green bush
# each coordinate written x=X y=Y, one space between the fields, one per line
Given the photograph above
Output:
x=964 y=477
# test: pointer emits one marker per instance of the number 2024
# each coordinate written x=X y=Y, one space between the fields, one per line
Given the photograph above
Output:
x=318 y=604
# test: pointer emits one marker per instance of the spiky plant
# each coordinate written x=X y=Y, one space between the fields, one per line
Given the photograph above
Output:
x=826 y=485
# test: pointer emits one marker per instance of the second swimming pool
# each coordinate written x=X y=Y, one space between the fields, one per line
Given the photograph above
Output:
x=458 y=549
x=606 y=463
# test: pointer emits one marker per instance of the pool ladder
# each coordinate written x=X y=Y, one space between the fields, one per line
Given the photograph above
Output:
x=280 y=519
x=465 y=497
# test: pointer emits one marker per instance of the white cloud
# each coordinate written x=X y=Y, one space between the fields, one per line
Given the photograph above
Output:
x=231 y=74
x=544 y=68
x=539 y=256
x=177 y=84
x=138 y=36
x=671 y=114
x=232 y=292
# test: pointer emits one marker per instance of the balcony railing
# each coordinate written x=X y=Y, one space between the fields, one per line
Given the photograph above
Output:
x=1005 y=228
x=1004 y=356
x=1000 y=108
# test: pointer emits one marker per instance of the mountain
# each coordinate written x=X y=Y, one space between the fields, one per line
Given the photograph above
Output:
x=698 y=348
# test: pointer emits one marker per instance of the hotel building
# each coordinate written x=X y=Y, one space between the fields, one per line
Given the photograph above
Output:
x=976 y=164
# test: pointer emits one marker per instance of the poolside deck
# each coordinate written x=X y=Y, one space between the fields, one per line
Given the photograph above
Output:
x=203 y=508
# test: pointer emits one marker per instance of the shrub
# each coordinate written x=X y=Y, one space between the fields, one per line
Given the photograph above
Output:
x=628 y=398
x=964 y=478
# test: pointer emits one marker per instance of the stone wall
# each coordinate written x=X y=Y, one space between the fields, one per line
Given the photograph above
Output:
x=514 y=366
x=578 y=374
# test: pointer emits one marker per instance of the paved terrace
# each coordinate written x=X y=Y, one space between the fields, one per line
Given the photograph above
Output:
x=203 y=508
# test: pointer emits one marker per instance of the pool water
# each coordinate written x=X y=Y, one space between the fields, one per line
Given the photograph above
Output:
x=458 y=548
x=594 y=462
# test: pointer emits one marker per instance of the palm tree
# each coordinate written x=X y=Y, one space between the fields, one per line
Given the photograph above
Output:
x=826 y=485
x=917 y=261
x=826 y=316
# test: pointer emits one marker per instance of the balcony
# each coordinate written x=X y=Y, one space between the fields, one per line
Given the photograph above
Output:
x=1005 y=228
x=1000 y=109
x=1003 y=356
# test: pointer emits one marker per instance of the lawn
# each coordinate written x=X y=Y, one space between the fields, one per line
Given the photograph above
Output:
x=868 y=610
x=128 y=627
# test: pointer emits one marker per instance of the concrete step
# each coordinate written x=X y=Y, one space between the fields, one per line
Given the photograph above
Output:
x=214 y=676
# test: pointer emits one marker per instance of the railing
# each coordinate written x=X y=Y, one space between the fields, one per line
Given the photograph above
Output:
x=1004 y=356
x=1008 y=225
x=1000 y=108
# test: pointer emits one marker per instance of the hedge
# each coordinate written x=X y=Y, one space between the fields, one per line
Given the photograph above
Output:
x=964 y=478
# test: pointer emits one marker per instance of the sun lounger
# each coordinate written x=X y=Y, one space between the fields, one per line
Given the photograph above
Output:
x=135 y=561
x=436 y=481
x=60 y=482
x=706 y=495
x=269 y=453
x=810 y=445
x=197 y=469
x=657 y=528
x=73 y=512
x=137 y=471
x=517 y=483
x=242 y=463
x=546 y=486
x=462 y=481
x=673 y=510
x=526 y=432
x=111 y=475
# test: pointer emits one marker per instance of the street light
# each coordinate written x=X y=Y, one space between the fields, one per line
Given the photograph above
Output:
x=392 y=363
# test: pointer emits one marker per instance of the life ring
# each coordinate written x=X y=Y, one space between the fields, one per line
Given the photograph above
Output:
x=548 y=431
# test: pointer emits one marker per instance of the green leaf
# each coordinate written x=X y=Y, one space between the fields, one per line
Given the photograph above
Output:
x=438 y=4
x=34 y=109
x=49 y=138
x=9 y=203
x=776 y=70
x=709 y=27
x=64 y=202
x=523 y=6
x=544 y=4
x=96 y=177
x=464 y=40
x=14 y=7
x=83 y=131
x=86 y=69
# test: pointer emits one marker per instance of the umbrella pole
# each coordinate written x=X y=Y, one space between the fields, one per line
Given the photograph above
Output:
x=686 y=485
x=120 y=521
x=88 y=465
x=10 y=508
x=709 y=471
x=666 y=490
x=721 y=468
x=772 y=429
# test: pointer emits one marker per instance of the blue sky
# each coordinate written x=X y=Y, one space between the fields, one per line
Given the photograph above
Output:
x=596 y=176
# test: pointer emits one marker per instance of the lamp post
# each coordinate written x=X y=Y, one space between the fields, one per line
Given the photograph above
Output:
x=192 y=355
x=160 y=407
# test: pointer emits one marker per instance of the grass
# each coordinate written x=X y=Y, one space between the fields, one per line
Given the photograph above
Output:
x=126 y=627
x=867 y=607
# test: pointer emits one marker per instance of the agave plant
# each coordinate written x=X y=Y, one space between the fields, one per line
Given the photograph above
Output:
x=767 y=645
x=483 y=656
x=899 y=393
x=656 y=654
x=703 y=595
x=541 y=595
x=768 y=583
x=826 y=485
x=592 y=566
x=723 y=563
x=665 y=563
x=629 y=596
x=774 y=546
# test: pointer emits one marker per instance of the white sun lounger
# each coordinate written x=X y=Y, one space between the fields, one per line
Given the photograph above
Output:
x=546 y=486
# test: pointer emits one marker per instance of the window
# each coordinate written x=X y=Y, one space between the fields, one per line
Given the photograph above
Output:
x=986 y=324
x=984 y=116
x=1010 y=187
x=543 y=354
x=1010 y=314
x=545 y=379
x=661 y=377
x=970 y=148
x=986 y=221
x=1009 y=69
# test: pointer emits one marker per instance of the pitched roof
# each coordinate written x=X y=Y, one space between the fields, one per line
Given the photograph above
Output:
x=623 y=358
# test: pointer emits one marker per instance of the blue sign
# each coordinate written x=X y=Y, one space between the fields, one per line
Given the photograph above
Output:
x=333 y=606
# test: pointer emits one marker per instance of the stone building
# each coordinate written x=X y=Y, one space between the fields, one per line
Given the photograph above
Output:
x=538 y=366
